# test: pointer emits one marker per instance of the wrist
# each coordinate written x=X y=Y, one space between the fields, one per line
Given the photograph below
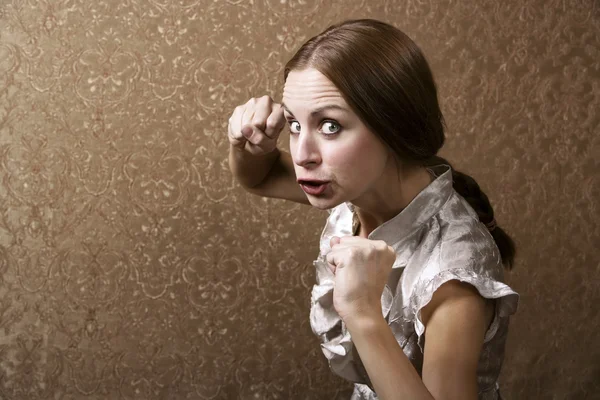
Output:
x=364 y=321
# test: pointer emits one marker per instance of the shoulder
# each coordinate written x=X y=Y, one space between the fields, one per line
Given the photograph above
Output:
x=464 y=260
x=465 y=242
x=462 y=278
x=456 y=298
x=453 y=244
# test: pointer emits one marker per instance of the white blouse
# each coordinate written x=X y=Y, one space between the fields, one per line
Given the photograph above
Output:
x=437 y=237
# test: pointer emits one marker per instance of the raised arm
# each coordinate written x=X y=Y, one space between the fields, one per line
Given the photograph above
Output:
x=254 y=159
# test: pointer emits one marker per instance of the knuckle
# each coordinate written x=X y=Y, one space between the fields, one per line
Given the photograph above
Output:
x=271 y=123
x=266 y=98
x=378 y=245
x=258 y=122
x=259 y=140
x=278 y=110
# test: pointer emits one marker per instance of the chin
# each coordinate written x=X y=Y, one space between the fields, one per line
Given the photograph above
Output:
x=323 y=204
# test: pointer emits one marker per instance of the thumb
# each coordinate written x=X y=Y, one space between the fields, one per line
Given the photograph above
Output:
x=332 y=261
x=334 y=240
x=247 y=132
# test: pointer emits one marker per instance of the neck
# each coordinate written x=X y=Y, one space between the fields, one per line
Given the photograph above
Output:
x=389 y=197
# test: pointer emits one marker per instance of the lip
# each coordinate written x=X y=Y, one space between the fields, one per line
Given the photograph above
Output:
x=314 y=181
x=317 y=187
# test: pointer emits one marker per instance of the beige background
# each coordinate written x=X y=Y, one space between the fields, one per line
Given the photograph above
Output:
x=133 y=267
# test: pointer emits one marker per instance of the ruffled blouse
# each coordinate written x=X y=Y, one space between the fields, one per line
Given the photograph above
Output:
x=437 y=238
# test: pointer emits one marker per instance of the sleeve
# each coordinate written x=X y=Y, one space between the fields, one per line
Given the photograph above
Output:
x=472 y=258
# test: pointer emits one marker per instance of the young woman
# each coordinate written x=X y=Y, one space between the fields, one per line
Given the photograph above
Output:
x=410 y=301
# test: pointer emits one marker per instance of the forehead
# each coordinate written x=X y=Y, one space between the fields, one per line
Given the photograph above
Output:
x=310 y=89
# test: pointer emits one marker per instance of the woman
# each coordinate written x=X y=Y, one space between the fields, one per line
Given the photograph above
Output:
x=410 y=301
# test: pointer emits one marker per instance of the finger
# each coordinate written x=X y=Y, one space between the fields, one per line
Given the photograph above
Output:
x=262 y=111
x=392 y=253
x=382 y=245
x=353 y=240
x=331 y=268
x=247 y=115
x=275 y=122
x=344 y=243
x=235 y=125
x=330 y=258
x=335 y=259
x=250 y=132
x=334 y=240
x=256 y=137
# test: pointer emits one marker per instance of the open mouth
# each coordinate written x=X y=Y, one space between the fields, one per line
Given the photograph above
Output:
x=313 y=187
x=311 y=183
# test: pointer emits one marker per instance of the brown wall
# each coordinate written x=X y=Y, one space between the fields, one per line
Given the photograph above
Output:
x=131 y=264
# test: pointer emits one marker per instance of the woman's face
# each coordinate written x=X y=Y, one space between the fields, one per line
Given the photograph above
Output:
x=328 y=142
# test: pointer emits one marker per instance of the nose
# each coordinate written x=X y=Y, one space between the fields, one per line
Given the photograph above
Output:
x=305 y=149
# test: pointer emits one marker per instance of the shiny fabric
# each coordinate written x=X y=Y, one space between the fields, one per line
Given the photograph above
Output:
x=437 y=237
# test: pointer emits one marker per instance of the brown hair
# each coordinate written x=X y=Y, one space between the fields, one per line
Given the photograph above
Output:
x=385 y=78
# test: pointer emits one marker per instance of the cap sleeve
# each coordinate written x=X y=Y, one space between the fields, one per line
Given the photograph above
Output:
x=472 y=258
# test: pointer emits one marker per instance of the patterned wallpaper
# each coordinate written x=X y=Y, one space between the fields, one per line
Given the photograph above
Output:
x=132 y=266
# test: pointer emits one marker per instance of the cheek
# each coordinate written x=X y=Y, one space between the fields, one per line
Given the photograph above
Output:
x=362 y=159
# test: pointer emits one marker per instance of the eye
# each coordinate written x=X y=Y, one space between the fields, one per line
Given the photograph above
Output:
x=330 y=127
x=294 y=126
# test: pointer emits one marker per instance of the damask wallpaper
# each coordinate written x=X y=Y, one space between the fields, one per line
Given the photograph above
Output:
x=132 y=266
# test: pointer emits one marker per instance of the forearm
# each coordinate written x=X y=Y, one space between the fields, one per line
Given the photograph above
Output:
x=250 y=170
x=391 y=372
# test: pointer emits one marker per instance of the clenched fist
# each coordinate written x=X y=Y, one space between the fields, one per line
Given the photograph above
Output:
x=361 y=268
x=256 y=125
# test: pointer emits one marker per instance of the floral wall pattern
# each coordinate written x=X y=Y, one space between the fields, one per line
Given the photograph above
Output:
x=132 y=266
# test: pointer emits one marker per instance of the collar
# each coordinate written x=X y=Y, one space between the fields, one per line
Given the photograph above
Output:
x=423 y=207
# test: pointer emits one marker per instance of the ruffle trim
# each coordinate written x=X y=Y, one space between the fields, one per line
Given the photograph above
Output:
x=328 y=325
x=487 y=288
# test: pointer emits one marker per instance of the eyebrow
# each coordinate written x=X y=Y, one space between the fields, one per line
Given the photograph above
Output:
x=319 y=110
